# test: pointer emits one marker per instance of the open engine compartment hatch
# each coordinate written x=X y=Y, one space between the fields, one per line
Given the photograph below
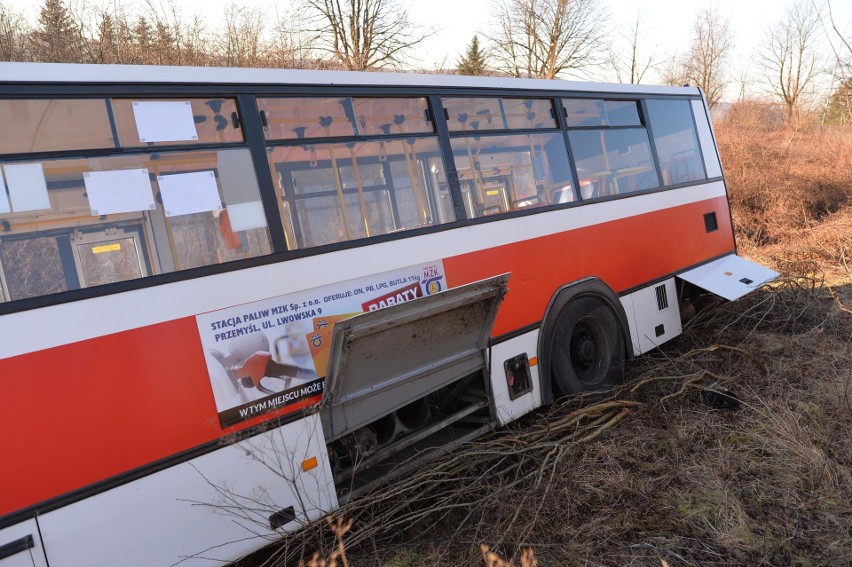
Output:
x=383 y=360
x=730 y=277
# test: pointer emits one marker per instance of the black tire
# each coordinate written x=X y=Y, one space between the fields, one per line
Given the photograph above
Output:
x=587 y=349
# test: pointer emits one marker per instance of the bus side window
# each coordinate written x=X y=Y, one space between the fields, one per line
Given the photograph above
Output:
x=590 y=112
x=74 y=223
x=676 y=140
x=212 y=207
x=333 y=192
x=149 y=122
x=508 y=173
x=613 y=161
x=33 y=266
x=610 y=146
x=47 y=125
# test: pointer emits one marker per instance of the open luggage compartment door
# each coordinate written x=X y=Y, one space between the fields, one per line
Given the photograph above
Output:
x=730 y=277
x=383 y=360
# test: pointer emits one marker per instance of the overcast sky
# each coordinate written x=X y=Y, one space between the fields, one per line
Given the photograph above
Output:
x=667 y=23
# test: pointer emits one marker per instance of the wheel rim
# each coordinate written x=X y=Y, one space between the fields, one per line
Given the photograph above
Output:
x=589 y=345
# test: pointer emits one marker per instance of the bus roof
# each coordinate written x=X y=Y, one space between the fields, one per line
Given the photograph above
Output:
x=155 y=74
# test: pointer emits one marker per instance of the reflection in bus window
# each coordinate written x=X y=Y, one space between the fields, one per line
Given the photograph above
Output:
x=317 y=117
x=472 y=114
x=613 y=162
x=580 y=112
x=524 y=113
x=676 y=141
x=47 y=125
x=212 y=121
x=344 y=191
x=508 y=173
x=103 y=220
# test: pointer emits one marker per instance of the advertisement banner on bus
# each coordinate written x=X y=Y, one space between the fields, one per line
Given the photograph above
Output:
x=266 y=355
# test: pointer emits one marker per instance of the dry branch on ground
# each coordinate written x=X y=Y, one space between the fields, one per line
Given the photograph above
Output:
x=650 y=473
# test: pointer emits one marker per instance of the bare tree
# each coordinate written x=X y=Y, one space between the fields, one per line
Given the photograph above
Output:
x=361 y=35
x=790 y=55
x=173 y=40
x=292 y=45
x=838 y=107
x=107 y=33
x=14 y=32
x=241 y=43
x=705 y=64
x=627 y=59
x=546 y=38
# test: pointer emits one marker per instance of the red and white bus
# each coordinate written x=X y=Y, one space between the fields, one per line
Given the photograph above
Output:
x=232 y=299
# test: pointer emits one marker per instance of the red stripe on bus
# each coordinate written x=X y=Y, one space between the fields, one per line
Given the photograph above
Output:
x=84 y=412
x=625 y=253
x=90 y=410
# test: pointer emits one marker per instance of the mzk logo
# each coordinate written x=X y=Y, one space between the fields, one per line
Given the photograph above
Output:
x=431 y=279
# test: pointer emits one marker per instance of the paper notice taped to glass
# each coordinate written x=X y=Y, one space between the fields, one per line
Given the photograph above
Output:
x=27 y=187
x=188 y=193
x=120 y=191
x=164 y=121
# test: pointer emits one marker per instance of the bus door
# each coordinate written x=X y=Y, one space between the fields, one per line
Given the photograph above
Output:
x=21 y=546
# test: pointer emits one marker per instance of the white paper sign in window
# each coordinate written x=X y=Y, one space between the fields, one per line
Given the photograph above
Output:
x=120 y=191
x=188 y=193
x=245 y=216
x=164 y=121
x=27 y=187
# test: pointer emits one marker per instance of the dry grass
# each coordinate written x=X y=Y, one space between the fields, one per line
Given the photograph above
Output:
x=790 y=189
x=652 y=475
x=671 y=480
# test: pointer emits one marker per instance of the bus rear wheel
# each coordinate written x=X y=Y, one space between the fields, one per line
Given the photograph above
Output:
x=588 y=348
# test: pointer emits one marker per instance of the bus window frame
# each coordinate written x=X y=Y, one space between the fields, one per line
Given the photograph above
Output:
x=560 y=127
x=519 y=133
x=246 y=110
x=700 y=152
x=289 y=197
x=254 y=141
x=429 y=115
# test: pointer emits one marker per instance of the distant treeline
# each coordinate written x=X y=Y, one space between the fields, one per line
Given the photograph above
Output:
x=802 y=66
x=156 y=34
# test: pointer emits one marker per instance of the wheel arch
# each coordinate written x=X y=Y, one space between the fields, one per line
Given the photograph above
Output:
x=589 y=286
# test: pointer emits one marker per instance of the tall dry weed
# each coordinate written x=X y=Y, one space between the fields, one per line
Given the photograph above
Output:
x=790 y=188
